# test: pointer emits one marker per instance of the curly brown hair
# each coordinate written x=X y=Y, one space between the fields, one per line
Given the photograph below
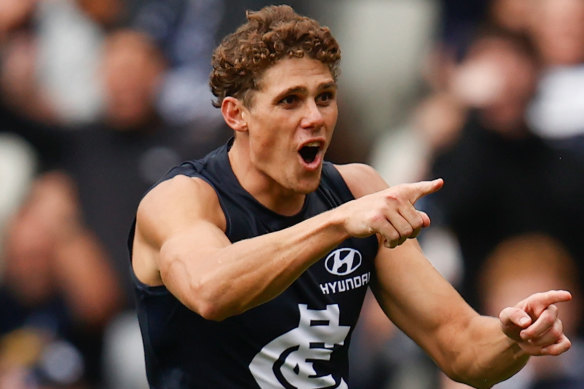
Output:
x=269 y=35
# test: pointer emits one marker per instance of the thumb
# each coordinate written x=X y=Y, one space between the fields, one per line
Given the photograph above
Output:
x=423 y=188
x=513 y=320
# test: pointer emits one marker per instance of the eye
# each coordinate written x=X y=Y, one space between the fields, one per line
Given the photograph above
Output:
x=289 y=100
x=325 y=98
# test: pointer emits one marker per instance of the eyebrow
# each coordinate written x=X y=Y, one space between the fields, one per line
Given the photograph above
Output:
x=328 y=85
x=303 y=90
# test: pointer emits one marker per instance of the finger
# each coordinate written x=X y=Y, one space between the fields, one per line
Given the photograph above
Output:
x=414 y=217
x=417 y=219
x=538 y=302
x=389 y=234
x=549 y=337
x=415 y=233
x=542 y=324
x=423 y=188
x=558 y=348
x=513 y=320
x=391 y=237
x=401 y=225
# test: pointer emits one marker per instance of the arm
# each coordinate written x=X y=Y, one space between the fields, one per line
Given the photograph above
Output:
x=186 y=246
x=470 y=348
x=181 y=243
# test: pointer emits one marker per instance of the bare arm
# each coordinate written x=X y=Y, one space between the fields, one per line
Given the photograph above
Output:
x=470 y=348
x=181 y=243
x=199 y=265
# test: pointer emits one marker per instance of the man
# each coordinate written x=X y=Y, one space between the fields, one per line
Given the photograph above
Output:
x=251 y=264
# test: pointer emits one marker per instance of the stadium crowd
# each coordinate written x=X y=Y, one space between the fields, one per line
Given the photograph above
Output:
x=99 y=98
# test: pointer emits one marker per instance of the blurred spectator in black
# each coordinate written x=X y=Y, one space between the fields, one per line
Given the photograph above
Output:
x=522 y=265
x=115 y=160
x=500 y=178
x=557 y=112
x=460 y=20
x=57 y=293
x=20 y=90
x=187 y=31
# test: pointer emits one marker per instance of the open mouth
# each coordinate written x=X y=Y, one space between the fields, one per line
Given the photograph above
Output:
x=309 y=152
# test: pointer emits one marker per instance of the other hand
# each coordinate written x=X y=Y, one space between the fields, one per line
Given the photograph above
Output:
x=535 y=325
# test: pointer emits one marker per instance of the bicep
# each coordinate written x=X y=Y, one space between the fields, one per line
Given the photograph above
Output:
x=179 y=222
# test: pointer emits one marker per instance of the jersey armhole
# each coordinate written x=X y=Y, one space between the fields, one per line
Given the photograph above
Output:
x=335 y=180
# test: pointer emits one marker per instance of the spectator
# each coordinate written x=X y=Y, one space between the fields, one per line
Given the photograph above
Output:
x=556 y=112
x=510 y=15
x=58 y=291
x=114 y=161
x=526 y=264
x=20 y=90
x=500 y=177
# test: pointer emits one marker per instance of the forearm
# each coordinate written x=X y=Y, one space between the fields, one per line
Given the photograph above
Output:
x=240 y=276
x=488 y=356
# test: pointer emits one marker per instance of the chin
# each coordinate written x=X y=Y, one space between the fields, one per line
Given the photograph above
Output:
x=308 y=185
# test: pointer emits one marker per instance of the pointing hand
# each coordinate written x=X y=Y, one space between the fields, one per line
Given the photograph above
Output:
x=534 y=323
x=391 y=212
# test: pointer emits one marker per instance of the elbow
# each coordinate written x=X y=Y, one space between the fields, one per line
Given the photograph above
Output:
x=212 y=311
x=209 y=302
x=480 y=383
x=203 y=293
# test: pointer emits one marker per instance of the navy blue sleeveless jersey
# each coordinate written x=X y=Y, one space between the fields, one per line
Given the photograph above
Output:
x=299 y=339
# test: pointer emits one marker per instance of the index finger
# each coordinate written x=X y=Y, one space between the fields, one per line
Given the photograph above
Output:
x=538 y=302
x=423 y=188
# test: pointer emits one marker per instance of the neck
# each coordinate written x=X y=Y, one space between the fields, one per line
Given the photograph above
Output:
x=263 y=188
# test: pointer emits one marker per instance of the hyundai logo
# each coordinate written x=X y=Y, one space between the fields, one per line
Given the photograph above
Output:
x=343 y=261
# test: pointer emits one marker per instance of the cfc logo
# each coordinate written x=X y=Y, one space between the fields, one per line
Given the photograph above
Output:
x=343 y=261
x=291 y=360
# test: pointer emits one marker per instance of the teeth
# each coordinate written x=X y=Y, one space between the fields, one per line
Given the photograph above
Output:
x=313 y=144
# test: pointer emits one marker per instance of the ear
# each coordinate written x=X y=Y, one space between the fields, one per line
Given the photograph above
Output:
x=233 y=113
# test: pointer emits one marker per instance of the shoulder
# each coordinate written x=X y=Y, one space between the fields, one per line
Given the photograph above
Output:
x=361 y=179
x=178 y=201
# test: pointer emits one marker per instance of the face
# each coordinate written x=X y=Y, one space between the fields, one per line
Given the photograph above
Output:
x=290 y=122
x=558 y=27
x=132 y=71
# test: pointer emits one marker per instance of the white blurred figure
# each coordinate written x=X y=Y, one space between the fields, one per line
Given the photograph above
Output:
x=70 y=36
x=557 y=110
x=124 y=354
x=17 y=169
x=382 y=64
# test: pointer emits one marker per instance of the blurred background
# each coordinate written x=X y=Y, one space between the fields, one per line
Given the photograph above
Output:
x=99 y=98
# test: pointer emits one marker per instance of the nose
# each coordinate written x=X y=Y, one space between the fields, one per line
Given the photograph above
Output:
x=312 y=117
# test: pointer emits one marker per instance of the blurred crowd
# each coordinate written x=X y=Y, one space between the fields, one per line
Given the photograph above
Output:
x=499 y=115
x=99 y=98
